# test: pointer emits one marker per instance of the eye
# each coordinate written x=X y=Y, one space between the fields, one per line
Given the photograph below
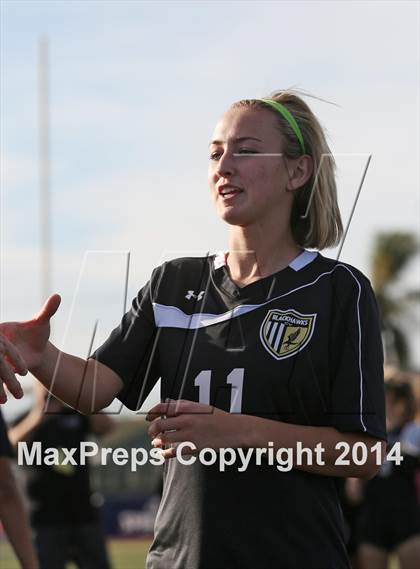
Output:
x=215 y=155
x=247 y=151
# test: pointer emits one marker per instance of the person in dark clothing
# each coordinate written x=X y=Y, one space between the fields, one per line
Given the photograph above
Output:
x=390 y=514
x=65 y=521
x=13 y=513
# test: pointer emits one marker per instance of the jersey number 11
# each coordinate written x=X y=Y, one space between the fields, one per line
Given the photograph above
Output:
x=235 y=379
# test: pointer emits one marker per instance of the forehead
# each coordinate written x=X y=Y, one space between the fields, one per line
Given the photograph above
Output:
x=242 y=122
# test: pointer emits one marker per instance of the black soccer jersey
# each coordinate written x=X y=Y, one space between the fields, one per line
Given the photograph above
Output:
x=301 y=346
x=60 y=494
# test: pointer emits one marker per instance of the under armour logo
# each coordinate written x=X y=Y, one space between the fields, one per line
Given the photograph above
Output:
x=191 y=294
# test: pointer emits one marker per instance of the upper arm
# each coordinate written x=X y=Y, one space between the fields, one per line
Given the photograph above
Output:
x=110 y=383
x=129 y=355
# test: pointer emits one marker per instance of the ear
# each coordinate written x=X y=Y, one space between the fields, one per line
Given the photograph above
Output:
x=300 y=170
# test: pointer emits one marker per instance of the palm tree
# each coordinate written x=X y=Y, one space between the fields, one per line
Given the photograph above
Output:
x=392 y=252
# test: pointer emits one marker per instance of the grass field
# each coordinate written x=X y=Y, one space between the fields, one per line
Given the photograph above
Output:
x=124 y=553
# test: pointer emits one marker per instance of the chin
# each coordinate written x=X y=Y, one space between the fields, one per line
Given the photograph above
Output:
x=236 y=217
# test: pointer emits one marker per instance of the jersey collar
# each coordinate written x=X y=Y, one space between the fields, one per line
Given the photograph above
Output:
x=297 y=264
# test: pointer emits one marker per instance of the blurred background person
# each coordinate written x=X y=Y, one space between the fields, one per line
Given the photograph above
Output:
x=351 y=497
x=65 y=521
x=390 y=511
x=13 y=514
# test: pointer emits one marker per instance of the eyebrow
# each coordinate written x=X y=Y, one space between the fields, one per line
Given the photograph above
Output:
x=240 y=139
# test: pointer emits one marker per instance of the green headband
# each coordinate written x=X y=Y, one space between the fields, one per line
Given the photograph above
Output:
x=289 y=117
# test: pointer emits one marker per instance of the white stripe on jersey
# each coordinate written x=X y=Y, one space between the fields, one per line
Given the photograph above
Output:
x=279 y=337
x=173 y=317
x=273 y=328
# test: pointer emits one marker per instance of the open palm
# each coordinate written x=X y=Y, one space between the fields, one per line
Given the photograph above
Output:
x=22 y=346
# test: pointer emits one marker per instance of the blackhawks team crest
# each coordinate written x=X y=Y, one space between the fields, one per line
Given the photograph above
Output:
x=283 y=333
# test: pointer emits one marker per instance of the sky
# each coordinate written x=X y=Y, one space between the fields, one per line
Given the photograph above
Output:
x=135 y=91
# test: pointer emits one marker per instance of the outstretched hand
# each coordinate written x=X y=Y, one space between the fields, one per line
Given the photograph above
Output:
x=22 y=346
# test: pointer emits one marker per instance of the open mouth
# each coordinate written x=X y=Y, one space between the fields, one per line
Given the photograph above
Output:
x=229 y=191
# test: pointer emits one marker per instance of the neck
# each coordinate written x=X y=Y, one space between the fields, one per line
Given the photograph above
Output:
x=255 y=253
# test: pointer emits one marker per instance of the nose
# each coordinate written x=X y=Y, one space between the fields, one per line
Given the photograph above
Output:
x=226 y=165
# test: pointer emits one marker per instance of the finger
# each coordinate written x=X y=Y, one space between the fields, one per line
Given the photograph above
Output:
x=12 y=356
x=179 y=406
x=165 y=452
x=10 y=380
x=157 y=411
x=16 y=361
x=49 y=309
x=164 y=408
x=169 y=452
x=169 y=437
x=161 y=425
x=173 y=452
x=175 y=407
x=183 y=406
x=3 y=396
x=158 y=443
x=19 y=367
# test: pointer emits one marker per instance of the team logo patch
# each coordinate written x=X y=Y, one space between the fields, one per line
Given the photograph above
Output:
x=283 y=333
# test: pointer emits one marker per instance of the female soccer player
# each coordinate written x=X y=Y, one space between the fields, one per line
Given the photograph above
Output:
x=267 y=345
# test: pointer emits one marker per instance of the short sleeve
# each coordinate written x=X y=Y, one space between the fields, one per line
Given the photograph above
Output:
x=131 y=348
x=356 y=356
x=5 y=448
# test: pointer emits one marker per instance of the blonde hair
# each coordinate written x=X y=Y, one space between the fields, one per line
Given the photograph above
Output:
x=321 y=227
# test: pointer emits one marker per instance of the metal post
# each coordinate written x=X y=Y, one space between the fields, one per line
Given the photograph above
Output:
x=44 y=167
